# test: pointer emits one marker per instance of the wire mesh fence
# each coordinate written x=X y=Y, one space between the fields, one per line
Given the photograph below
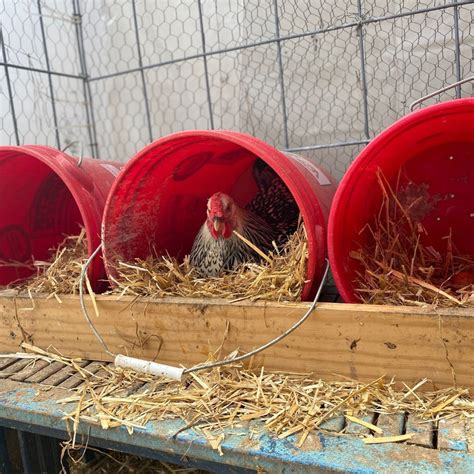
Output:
x=319 y=77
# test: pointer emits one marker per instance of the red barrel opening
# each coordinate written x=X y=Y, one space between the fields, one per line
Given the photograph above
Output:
x=45 y=197
x=433 y=146
x=158 y=201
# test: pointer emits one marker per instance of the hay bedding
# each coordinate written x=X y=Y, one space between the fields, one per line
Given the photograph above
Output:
x=223 y=398
x=60 y=274
x=397 y=267
x=280 y=276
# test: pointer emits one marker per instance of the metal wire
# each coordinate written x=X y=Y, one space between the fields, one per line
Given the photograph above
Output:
x=274 y=341
x=311 y=76
x=439 y=91
x=82 y=277
x=204 y=366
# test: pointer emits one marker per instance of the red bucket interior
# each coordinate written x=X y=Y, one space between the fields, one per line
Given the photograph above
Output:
x=158 y=202
x=433 y=147
x=36 y=212
x=175 y=203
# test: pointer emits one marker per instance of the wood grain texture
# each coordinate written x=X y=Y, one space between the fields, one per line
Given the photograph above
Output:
x=357 y=341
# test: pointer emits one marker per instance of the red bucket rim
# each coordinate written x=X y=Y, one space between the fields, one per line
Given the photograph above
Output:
x=263 y=150
x=365 y=157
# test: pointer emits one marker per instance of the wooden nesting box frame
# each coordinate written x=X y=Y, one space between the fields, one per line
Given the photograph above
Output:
x=362 y=342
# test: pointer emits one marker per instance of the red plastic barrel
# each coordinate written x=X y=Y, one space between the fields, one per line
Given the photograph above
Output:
x=45 y=196
x=158 y=202
x=433 y=146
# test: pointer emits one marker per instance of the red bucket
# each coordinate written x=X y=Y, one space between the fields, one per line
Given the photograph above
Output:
x=158 y=201
x=433 y=146
x=45 y=195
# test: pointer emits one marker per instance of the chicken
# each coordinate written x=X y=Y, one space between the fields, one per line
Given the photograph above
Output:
x=216 y=248
x=271 y=217
x=274 y=203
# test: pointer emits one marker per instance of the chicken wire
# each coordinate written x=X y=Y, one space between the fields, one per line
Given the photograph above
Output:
x=316 y=77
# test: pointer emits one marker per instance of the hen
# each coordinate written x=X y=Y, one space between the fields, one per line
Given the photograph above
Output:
x=270 y=217
x=274 y=203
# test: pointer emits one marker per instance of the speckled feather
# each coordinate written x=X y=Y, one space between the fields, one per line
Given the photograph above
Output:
x=274 y=203
x=211 y=257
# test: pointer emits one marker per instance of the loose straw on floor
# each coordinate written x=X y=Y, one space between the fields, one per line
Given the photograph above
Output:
x=217 y=399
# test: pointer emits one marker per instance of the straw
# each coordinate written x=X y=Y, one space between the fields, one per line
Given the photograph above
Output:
x=397 y=265
x=279 y=277
x=105 y=462
x=60 y=274
x=214 y=400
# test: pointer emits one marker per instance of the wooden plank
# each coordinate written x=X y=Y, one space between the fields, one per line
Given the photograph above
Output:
x=357 y=429
x=6 y=361
x=335 y=424
x=75 y=380
x=149 y=386
x=62 y=374
x=95 y=368
x=98 y=370
x=357 y=341
x=452 y=435
x=423 y=432
x=29 y=370
x=51 y=369
x=392 y=425
x=14 y=368
x=134 y=388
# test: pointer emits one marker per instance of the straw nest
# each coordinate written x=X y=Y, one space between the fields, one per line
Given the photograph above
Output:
x=397 y=267
x=213 y=400
x=280 y=276
x=60 y=274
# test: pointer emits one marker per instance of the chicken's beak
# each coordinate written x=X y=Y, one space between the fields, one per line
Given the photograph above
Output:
x=217 y=223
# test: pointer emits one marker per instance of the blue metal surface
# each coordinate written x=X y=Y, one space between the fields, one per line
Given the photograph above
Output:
x=453 y=440
x=321 y=453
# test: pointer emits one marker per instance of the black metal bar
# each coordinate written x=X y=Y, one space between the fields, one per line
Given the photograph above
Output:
x=77 y=24
x=206 y=72
x=9 y=87
x=86 y=81
x=281 y=76
x=5 y=463
x=354 y=24
x=328 y=145
x=457 y=49
x=41 y=71
x=39 y=453
x=60 y=432
x=365 y=93
x=142 y=72
x=25 y=460
x=50 y=80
